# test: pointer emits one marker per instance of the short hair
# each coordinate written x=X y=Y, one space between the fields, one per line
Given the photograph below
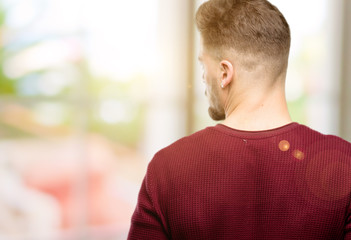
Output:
x=250 y=27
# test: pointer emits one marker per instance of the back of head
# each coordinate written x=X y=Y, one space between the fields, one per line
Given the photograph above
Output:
x=253 y=29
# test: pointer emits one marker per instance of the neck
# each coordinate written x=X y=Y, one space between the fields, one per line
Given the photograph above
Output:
x=258 y=110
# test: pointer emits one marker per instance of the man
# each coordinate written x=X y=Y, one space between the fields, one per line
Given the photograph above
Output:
x=257 y=175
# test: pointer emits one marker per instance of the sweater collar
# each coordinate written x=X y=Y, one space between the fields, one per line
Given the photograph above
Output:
x=256 y=134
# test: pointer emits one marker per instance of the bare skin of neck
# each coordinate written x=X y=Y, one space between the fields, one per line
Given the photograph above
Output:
x=257 y=110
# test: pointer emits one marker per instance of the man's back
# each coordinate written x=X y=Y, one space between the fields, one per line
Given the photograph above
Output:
x=219 y=183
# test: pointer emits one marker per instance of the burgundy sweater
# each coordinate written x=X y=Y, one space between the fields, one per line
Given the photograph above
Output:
x=220 y=183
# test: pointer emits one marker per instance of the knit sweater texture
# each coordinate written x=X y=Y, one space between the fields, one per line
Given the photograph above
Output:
x=289 y=182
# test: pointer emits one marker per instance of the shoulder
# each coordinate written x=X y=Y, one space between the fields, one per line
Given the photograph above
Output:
x=323 y=140
x=323 y=150
x=191 y=143
x=186 y=151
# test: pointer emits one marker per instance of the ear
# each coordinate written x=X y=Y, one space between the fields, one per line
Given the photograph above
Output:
x=227 y=73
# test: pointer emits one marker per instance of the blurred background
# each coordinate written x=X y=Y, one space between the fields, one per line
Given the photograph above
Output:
x=91 y=89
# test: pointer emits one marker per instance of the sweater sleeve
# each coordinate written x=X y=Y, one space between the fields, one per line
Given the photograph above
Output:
x=146 y=221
